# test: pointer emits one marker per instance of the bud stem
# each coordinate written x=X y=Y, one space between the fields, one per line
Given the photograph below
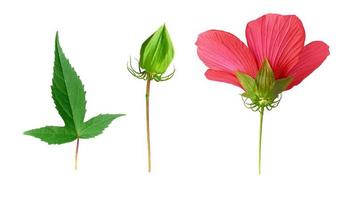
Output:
x=260 y=141
x=148 y=122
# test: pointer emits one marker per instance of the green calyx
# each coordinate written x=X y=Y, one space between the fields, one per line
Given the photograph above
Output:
x=264 y=91
x=156 y=55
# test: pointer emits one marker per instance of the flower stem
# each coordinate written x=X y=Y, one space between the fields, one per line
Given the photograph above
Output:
x=260 y=142
x=76 y=154
x=148 y=122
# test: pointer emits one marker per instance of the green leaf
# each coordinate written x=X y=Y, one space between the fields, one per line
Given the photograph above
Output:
x=96 y=125
x=247 y=82
x=53 y=134
x=281 y=85
x=69 y=97
x=157 y=52
x=67 y=91
x=265 y=79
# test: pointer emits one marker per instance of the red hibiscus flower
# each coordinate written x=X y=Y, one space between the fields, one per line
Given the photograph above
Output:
x=275 y=59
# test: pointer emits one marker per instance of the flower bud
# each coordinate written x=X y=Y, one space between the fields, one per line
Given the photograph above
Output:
x=157 y=52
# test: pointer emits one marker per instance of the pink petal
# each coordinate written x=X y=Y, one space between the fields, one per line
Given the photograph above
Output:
x=310 y=58
x=222 y=76
x=222 y=51
x=278 y=38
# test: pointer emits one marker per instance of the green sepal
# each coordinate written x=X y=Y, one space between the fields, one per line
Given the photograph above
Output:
x=265 y=79
x=157 y=52
x=247 y=95
x=281 y=85
x=247 y=82
x=96 y=125
x=53 y=134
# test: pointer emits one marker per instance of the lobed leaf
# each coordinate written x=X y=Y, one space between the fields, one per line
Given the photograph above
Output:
x=69 y=97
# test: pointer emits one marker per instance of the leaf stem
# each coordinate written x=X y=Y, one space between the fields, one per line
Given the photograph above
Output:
x=148 y=122
x=260 y=142
x=76 y=154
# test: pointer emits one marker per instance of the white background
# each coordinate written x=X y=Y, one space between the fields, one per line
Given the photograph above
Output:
x=204 y=142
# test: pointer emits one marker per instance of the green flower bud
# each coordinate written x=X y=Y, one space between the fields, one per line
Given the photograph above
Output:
x=157 y=52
